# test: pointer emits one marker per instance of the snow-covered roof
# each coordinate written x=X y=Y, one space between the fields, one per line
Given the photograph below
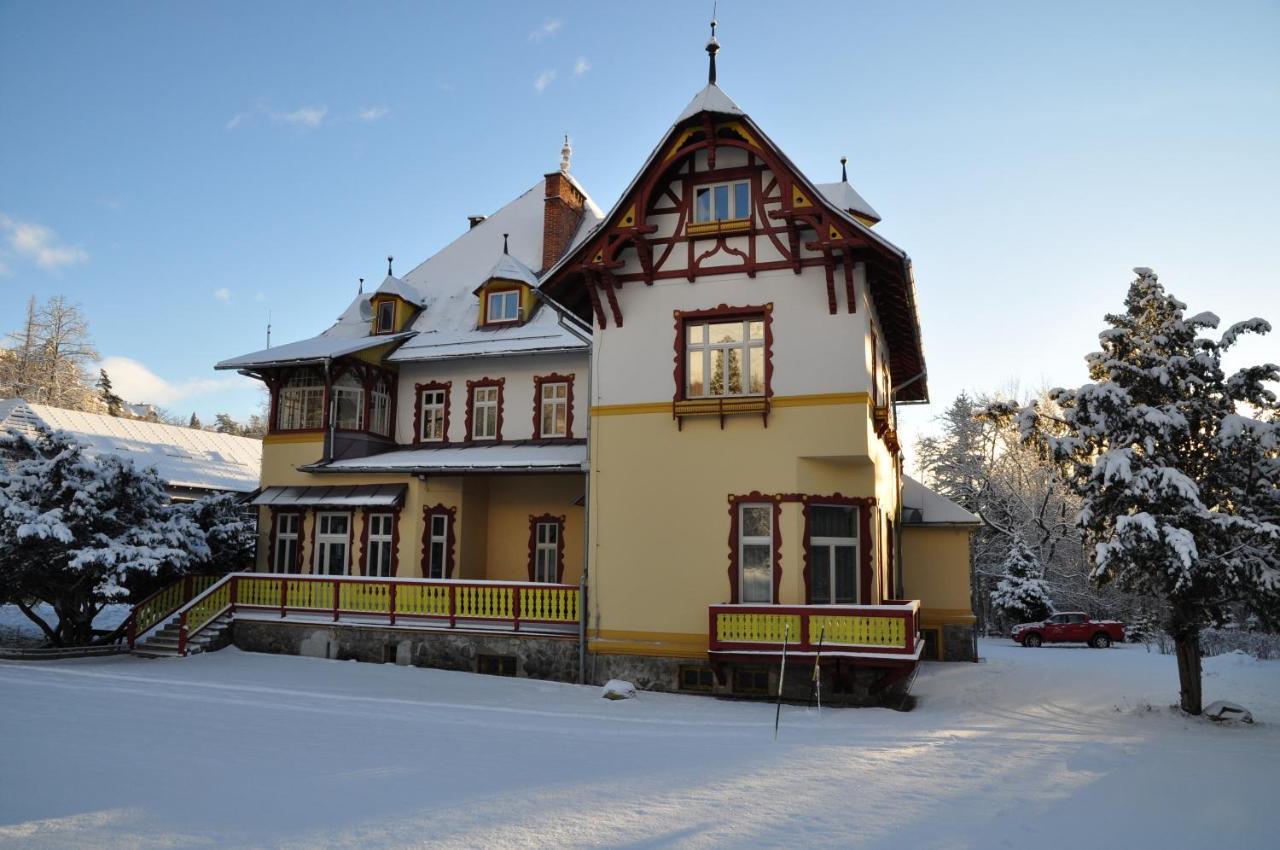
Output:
x=710 y=99
x=509 y=457
x=351 y=495
x=846 y=198
x=393 y=285
x=922 y=506
x=311 y=350
x=509 y=268
x=183 y=457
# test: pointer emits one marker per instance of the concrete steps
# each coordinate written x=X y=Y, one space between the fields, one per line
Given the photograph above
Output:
x=163 y=643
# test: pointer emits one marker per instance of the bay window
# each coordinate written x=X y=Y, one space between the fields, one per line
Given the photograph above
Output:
x=301 y=405
x=348 y=403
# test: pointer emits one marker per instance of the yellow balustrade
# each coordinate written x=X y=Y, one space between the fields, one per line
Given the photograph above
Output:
x=423 y=600
x=858 y=630
x=552 y=604
x=365 y=597
x=199 y=614
x=310 y=594
x=484 y=603
x=261 y=592
x=157 y=607
x=757 y=627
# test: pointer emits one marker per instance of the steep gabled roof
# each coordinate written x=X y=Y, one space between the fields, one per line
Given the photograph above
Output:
x=392 y=285
x=845 y=197
x=895 y=303
x=509 y=268
x=922 y=506
x=186 y=458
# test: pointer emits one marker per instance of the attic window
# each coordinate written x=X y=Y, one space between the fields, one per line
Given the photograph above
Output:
x=503 y=307
x=386 y=317
x=722 y=202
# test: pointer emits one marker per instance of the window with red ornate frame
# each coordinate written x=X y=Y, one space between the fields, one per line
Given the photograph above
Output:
x=546 y=548
x=379 y=539
x=438 y=541
x=864 y=546
x=723 y=362
x=484 y=409
x=755 y=549
x=431 y=412
x=553 y=407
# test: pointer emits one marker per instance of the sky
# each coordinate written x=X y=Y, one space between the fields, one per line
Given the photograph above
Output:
x=185 y=170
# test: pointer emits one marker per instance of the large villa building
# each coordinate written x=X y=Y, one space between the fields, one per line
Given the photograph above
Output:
x=657 y=443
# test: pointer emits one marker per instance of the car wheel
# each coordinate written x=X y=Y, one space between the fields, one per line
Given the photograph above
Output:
x=1031 y=640
x=1100 y=641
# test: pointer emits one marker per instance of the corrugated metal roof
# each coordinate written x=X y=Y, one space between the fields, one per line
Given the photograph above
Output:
x=183 y=457
x=932 y=508
x=354 y=495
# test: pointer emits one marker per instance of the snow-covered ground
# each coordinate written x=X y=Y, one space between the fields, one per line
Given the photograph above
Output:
x=1056 y=747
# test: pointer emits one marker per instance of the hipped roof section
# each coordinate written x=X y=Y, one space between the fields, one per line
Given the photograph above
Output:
x=895 y=301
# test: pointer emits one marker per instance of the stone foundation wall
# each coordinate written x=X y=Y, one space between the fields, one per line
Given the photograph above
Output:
x=541 y=657
x=959 y=643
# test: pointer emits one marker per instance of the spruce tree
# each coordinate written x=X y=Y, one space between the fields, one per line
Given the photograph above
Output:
x=105 y=391
x=1178 y=487
x=1022 y=596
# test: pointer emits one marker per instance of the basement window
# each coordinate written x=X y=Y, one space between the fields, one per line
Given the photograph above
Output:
x=696 y=679
x=496 y=665
x=751 y=682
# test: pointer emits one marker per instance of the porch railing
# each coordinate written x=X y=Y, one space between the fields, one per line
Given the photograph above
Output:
x=439 y=603
x=885 y=630
x=164 y=603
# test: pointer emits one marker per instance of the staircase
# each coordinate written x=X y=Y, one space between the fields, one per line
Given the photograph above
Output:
x=164 y=642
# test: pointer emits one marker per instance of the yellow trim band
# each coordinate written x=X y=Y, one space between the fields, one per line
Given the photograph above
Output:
x=308 y=437
x=816 y=400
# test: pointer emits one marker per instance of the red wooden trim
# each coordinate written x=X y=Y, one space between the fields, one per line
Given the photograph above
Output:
x=418 y=390
x=802 y=643
x=684 y=318
x=864 y=504
x=753 y=498
x=553 y=378
x=395 y=546
x=271 y=541
x=364 y=544
x=275 y=540
x=450 y=539
x=315 y=524
x=534 y=522
x=471 y=398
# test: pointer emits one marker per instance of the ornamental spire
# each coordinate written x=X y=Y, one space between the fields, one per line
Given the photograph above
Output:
x=389 y=259
x=713 y=47
x=565 y=153
x=844 y=172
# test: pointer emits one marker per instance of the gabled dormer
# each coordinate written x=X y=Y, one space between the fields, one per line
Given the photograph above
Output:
x=393 y=305
x=506 y=296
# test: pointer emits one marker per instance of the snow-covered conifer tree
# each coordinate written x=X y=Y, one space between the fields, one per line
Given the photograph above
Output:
x=1178 y=488
x=1022 y=596
x=74 y=526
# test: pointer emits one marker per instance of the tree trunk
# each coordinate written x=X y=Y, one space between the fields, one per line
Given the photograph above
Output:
x=1187 y=644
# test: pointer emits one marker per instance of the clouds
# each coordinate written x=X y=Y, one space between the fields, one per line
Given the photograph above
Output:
x=544 y=79
x=581 y=66
x=549 y=27
x=134 y=381
x=223 y=294
x=308 y=117
x=36 y=243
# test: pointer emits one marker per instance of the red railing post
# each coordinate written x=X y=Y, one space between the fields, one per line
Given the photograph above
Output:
x=182 y=634
x=453 y=606
x=713 y=640
x=515 y=608
x=335 y=599
x=284 y=596
x=391 y=602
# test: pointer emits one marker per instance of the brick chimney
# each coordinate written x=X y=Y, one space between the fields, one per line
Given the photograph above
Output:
x=562 y=210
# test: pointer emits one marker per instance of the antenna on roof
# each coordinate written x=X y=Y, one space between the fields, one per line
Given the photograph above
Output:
x=713 y=47
x=504 y=243
x=565 y=153
x=361 y=290
x=268 y=327
x=844 y=173
x=389 y=259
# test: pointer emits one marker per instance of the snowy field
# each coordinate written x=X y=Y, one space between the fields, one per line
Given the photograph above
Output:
x=1056 y=747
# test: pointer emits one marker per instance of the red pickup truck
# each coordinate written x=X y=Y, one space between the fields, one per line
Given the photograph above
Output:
x=1070 y=627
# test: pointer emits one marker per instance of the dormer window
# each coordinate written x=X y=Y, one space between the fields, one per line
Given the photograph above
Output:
x=386 y=317
x=503 y=307
x=722 y=202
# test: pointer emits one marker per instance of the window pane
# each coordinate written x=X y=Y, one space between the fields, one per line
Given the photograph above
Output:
x=702 y=209
x=757 y=371
x=722 y=202
x=694 y=365
x=437 y=525
x=741 y=200
x=832 y=521
x=820 y=574
x=757 y=582
x=697 y=333
x=717 y=372
x=757 y=330
x=726 y=332
x=757 y=521
x=735 y=371
x=846 y=570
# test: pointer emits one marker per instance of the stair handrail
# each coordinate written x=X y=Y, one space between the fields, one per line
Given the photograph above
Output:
x=204 y=608
x=149 y=613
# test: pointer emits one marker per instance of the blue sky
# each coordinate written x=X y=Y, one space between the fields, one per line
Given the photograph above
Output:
x=180 y=169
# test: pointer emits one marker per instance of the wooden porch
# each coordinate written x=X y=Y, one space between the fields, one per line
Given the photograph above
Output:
x=885 y=635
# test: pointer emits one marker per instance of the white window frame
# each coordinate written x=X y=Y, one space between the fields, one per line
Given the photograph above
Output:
x=355 y=394
x=831 y=544
x=381 y=537
x=733 y=187
x=550 y=403
x=434 y=537
x=390 y=325
x=301 y=404
x=380 y=410
x=546 y=553
x=325 y=540
x=703 y=349
x=744 y=541
x=506 y=312
x=288 y=528
x=429 y=408
x=479 y=407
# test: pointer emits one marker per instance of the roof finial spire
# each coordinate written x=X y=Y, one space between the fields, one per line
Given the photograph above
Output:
x=844 y=172
x=361 y=290
x=504 y=242
x=565 y=153
x=389 y=259
x=713 y=47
